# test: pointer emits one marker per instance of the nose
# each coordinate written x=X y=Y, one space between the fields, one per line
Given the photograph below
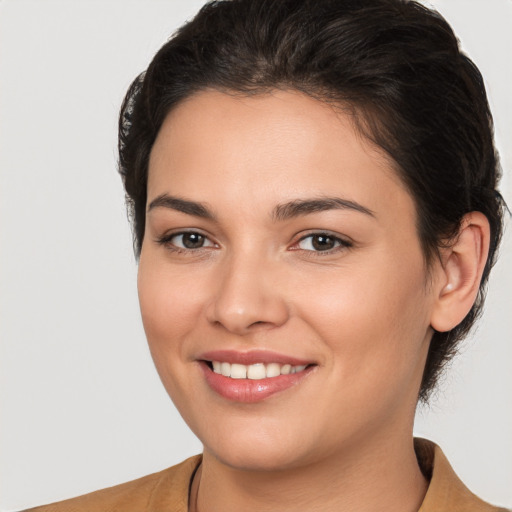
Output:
x=247 y=297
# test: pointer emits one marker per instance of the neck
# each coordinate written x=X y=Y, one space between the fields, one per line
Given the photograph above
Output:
x=382 y=475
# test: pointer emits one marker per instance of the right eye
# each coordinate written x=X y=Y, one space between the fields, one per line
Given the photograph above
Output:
x=188 y=240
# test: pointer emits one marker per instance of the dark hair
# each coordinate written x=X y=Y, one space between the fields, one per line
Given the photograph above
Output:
x=394 y=64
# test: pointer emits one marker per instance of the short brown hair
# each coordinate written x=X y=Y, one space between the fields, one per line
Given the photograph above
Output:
x=395 y=63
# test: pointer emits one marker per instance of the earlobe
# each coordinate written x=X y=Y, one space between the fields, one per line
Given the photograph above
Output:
x=461 y=272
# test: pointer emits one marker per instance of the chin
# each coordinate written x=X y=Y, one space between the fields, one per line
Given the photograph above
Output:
x=258 y=445
x=252 y=456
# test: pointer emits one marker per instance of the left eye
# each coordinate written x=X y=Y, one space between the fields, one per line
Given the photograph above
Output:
x=190 y=240
x=320 y=242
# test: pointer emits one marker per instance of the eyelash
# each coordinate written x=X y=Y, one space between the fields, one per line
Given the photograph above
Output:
x=165 y=240
x=340 y=243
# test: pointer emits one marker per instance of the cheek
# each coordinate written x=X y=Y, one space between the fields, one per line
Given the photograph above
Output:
x=169 y=305
x=170 y=309
x=374 y=320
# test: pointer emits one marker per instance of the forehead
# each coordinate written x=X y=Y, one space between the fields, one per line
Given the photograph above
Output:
x=269 y=148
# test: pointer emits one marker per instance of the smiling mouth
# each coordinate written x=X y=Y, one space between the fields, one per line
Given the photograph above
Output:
x=263 y=375
x=257 y=371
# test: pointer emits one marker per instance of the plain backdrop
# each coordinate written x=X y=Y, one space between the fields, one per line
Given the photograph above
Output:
x=81 y=405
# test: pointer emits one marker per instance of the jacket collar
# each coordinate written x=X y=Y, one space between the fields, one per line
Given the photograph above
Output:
x=446 y=492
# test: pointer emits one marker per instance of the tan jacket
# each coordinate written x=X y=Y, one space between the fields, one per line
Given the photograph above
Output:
x=168 y=490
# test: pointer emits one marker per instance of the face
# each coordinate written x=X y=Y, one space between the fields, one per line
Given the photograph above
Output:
x=282 y=285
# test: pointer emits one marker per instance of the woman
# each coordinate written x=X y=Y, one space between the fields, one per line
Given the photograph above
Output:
x=313 y=193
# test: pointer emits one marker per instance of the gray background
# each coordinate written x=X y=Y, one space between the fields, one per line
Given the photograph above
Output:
x=81 y=405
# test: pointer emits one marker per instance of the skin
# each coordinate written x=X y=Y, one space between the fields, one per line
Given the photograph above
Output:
x=362 y=312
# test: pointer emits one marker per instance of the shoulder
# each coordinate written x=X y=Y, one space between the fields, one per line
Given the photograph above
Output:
x=165 y=490
x=446 y=492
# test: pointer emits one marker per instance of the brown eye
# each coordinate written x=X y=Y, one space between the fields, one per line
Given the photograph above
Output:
x=189 y=240
x=321 y=242
x=192 y=240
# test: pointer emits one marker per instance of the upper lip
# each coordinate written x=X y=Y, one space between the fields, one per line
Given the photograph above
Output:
x=252 y=357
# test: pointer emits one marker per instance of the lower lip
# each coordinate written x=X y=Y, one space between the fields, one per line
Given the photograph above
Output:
x=250 y=391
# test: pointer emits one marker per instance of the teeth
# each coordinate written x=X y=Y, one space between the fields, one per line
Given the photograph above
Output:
x=273 y=370
x=225 y=369
x=286 y=369
x=238 y=371
x=255 y=371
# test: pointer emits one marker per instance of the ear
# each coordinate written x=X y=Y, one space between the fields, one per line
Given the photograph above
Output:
x=460 y=273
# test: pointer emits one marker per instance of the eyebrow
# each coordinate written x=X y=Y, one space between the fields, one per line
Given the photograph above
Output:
x=281 y=212
x=181 y=205
x=301 y=207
